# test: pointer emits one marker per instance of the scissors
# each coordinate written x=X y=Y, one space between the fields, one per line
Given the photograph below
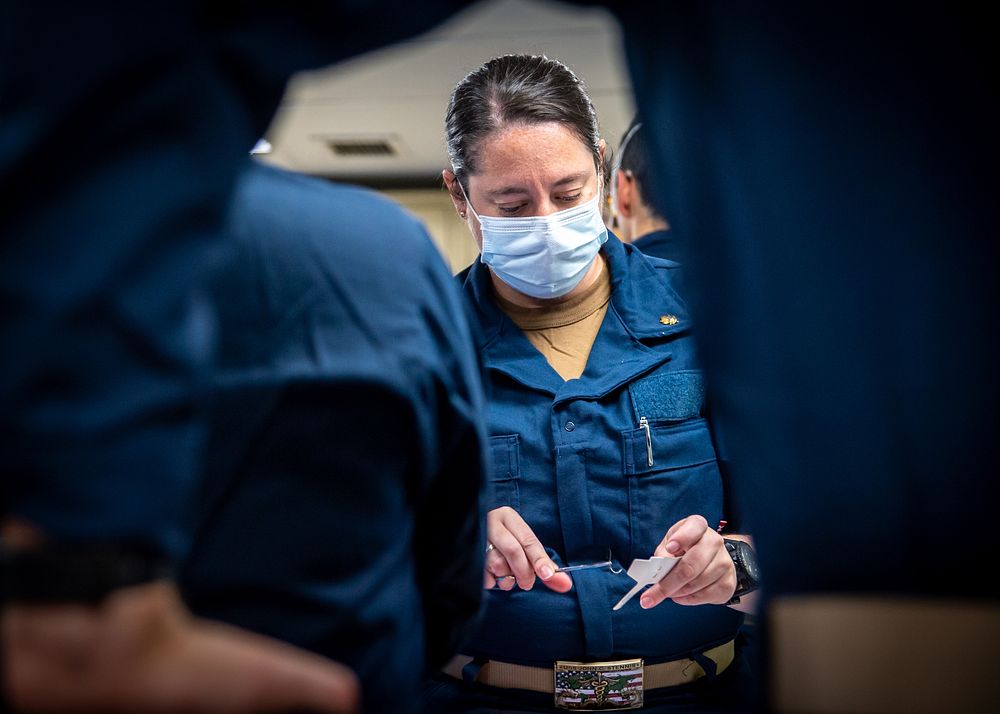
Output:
x=609 y=564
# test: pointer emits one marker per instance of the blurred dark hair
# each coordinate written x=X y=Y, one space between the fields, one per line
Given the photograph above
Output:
x=633 y=156
x=512 y=89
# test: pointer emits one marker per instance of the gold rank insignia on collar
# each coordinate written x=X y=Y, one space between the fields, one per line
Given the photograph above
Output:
x=668 y=320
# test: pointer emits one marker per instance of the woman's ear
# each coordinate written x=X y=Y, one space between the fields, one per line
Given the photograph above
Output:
x=455 y=192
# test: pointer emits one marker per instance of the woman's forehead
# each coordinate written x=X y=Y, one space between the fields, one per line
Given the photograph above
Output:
x=538 y=152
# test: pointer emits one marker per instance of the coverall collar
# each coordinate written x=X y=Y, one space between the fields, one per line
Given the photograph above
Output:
x=644 y=310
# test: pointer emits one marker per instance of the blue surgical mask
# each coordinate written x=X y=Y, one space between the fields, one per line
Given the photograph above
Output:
x=543 y=256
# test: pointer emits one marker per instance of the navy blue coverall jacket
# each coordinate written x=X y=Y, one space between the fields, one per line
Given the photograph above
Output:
x=572 y=459
x=340 y=509
x=660 y=244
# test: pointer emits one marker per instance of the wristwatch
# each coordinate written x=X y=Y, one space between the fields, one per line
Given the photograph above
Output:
x=747 y=572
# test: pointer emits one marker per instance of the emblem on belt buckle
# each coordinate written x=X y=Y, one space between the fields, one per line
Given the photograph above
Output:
x=598 y=686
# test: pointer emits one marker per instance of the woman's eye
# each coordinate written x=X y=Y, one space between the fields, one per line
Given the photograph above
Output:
x=509 y=210
x=569 y=199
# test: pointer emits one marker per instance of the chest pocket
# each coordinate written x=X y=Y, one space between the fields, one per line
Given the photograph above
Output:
x=669 y=461
x=503 y=489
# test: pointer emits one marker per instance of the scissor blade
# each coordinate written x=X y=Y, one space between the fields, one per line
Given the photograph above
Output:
x=587 y=566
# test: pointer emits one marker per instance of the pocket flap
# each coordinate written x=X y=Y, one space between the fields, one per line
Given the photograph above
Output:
x=668 y=396
x=674 y=446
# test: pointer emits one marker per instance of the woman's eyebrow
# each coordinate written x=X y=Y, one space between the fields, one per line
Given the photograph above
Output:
x=517 y=190
x=509 y=190
x=572 y=178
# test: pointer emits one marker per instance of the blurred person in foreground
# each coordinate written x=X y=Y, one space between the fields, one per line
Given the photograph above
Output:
x=122 y=128
x=835 y=168
x=340 y=509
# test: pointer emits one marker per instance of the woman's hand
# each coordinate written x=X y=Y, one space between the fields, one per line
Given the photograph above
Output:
x=517 y=555
x=706 y=575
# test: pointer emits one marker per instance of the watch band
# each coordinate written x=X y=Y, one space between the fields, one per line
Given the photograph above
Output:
x=746 y=572
x=77 y=572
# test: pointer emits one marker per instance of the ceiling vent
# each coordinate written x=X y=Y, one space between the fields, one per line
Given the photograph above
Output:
x=361 y=148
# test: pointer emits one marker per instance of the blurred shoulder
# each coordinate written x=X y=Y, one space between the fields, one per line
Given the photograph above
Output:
x=328 y=220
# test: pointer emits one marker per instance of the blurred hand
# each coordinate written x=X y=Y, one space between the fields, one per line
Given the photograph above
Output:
x=517 y=555
x=705 y=575
x=140 y=650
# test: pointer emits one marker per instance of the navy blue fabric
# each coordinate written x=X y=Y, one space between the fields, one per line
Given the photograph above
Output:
x=589 y=488
x=341 y=505
x=665 y=245
x=835 y=168
x=674 y=396
x=120 y=131
x=660 y=244
x=109 y=216
x=121 y=128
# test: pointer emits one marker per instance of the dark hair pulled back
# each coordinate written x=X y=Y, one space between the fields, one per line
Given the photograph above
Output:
x=512 y=89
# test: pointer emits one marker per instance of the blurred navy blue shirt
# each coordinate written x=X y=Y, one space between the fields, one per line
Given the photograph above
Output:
x=340 y=507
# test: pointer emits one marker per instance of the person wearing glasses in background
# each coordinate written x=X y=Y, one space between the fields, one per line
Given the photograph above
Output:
x=598 y=437
x=634 y=217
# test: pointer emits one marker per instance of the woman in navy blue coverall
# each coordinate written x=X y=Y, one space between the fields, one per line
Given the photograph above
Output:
x=615 y=458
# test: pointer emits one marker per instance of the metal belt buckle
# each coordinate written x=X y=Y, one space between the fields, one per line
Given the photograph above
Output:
x=598 y=686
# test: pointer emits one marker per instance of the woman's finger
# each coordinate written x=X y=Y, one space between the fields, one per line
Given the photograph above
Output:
x=540 y=562
x=702 y=565
x=522 y=553
x=512 y=535
x=682 y=536
x=498 y=571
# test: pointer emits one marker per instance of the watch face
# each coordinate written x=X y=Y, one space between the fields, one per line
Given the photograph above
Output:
x=746 y=565
x=749 y=561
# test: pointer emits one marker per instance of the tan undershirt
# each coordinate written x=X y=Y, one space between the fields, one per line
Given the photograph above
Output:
x=564 y=332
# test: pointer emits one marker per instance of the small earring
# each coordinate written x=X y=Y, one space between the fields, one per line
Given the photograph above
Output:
x=462 y=214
